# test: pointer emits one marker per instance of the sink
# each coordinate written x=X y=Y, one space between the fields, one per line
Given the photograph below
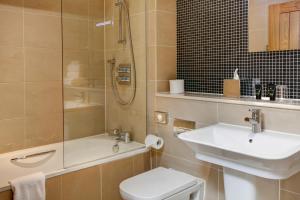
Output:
x=270 y=154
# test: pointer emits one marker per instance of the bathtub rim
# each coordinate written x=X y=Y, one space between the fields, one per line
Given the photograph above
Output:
x=89 y=164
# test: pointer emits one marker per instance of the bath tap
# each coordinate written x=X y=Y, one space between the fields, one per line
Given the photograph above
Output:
x=255 y=121
x=123 y=136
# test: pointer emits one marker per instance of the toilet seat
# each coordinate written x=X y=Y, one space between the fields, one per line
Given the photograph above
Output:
x=157 y=184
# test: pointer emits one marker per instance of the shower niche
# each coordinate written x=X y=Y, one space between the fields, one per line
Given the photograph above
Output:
x=104 y=76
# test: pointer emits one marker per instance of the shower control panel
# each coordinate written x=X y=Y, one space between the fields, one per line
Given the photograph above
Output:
x=124 y=74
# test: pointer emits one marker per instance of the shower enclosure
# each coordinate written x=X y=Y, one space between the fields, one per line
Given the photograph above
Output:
x=73 y=84
x=104 y=78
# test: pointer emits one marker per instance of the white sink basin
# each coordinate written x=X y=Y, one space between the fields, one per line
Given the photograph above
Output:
x=271 y=155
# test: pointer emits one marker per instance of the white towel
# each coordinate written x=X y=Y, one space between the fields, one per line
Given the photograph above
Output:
x=31 y=187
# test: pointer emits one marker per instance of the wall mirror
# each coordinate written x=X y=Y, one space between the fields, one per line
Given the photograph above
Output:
x=274 y=25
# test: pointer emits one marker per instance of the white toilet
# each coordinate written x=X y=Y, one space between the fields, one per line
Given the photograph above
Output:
x=163 y=184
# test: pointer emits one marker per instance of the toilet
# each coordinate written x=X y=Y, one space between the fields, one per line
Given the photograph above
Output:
x=163 y=184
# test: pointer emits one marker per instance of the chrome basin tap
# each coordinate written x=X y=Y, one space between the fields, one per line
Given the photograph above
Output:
x=255 y=120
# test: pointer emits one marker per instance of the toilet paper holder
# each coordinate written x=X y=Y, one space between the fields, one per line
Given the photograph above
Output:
x=181 y=126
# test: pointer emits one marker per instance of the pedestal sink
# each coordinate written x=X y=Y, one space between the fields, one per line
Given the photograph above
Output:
x=270 y=155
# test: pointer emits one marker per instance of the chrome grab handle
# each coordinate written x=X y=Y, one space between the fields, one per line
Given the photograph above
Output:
x=32 y=155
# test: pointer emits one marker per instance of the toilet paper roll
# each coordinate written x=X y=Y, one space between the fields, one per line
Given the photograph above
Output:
x=154 y=142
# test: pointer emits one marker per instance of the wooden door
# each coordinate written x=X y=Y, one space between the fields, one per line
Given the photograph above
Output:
x=284 y=26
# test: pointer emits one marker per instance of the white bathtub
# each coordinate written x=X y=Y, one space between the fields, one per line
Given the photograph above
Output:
x=73 y=155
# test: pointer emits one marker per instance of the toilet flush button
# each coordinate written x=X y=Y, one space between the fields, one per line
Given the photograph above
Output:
x=161 y=117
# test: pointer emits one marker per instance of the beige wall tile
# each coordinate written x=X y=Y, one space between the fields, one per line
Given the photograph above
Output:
x=267 y=189
x=174 y=146
x=75 y=8
x=90 y=183
x=11 y=24
x=204 y=113
x=12 y=101
x=151 y=4
x=136 y=7
x=75 y=33
x=141 y=163
x=12 y=64
x=43 y=6
x=83 y=184
x=43 y=64
x=285 y=195
x=114 y=173
x=96 y=9
x=273 y=119
x=166 y=5
x=111 y=38
x=162 y=86
x=7 y=195
x=153 y=159
x=138 y=30
x=14 y=5
x=108 y=7
x=166 y=29
x=233 y=114
x=84 y=122
x=11 y=135
x=42 y=31
x=281 y=120
x=43 y=98
x=54 y=188
x=97 y=65
x=44 y=130
x=151 y=63
x=75 y=64
x=166 y=63
x=96 y=36
x=291 y=184
x=151 y=102
x=152 y=29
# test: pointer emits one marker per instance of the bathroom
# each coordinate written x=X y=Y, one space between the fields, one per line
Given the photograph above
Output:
x=88 y=109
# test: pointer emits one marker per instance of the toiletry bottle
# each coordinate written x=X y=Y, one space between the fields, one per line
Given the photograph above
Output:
x=258 y=91
x=271 y=91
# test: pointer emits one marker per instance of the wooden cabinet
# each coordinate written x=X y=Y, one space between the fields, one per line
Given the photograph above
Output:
x=284 y=26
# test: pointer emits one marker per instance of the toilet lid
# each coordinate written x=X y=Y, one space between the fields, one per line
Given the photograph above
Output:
x=156 y=184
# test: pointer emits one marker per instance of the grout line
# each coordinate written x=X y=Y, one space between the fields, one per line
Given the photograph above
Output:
x=295 y=193
x=189 y=161
x=24 y=78
x=166 y=12
x=218 y=185
x=279 y=191
x=162 y=45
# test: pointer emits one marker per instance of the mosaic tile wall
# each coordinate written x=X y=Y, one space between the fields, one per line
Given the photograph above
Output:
x=212 y=40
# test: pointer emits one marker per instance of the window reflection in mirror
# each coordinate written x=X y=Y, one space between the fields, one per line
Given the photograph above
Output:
x=274 y=25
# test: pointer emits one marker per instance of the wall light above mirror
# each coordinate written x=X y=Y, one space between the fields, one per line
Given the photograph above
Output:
x=274 y=25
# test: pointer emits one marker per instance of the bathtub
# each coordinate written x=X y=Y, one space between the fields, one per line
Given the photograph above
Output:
x=60 y=158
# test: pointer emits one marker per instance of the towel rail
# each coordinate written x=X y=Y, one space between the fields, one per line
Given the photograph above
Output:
x=32 y=155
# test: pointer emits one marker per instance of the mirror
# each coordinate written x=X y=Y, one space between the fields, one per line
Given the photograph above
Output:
x=274 y=25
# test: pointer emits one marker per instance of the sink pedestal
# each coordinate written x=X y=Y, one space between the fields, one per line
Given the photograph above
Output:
x=239 y=185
